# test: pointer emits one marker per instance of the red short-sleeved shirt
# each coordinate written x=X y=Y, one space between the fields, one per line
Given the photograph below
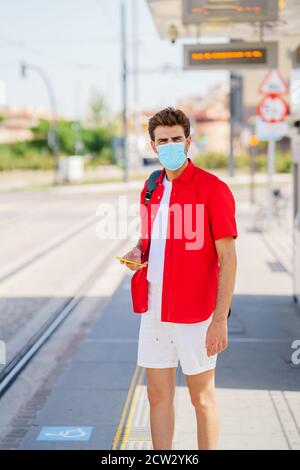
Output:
x=201 y=210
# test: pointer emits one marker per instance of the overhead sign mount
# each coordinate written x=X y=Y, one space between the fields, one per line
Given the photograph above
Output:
x=273 y=83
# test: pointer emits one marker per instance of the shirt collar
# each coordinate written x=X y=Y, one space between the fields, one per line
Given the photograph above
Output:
x=185 y=176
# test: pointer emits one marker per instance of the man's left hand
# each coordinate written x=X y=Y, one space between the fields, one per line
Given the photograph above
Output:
x=216 y=337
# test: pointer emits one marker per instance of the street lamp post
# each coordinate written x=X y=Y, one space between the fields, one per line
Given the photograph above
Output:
x=136 y=81
x=54 y=141
x=124 y=91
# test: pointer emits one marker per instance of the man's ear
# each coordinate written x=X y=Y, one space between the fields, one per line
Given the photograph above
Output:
x=188 y=142
x=154 y=146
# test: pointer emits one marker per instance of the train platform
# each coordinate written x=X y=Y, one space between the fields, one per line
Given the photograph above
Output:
x=100 y=399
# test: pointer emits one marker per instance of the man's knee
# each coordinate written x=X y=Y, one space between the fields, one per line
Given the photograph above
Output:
x=203 y=401
x=158 y=395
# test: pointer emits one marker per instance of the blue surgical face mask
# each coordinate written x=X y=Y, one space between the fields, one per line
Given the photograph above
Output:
x=171 y=155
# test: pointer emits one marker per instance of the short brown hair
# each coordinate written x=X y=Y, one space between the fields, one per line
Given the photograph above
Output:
x=169 y=117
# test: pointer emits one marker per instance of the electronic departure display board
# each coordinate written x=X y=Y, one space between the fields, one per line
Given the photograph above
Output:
x=237 y=55
x=245 y=11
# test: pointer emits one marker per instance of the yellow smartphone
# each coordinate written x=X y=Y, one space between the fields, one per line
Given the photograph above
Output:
x=131 y=262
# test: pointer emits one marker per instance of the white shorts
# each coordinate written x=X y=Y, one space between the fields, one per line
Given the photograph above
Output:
x=161 y=344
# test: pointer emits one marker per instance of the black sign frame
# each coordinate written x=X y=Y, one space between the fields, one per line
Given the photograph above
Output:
x=236 y=11
x=231 y=56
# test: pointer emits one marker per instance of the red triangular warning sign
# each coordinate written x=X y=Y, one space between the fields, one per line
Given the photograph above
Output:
x=273 y=83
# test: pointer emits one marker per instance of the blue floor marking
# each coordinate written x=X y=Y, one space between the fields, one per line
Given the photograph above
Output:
x=65 y=433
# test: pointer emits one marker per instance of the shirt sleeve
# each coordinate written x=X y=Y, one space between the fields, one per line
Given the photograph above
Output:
x=221 y=210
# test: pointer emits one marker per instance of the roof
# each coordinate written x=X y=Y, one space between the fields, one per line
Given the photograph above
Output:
x=169 y=12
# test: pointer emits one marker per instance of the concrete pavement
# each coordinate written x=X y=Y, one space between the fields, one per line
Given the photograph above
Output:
x=258 y=384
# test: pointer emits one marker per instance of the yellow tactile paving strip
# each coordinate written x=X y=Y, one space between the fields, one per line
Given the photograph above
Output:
x=134 y=428
x=133 y=432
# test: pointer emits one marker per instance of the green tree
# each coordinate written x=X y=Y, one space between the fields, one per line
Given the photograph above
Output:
x=98 y=109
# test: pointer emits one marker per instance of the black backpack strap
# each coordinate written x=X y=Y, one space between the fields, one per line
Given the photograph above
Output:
x=151 y=184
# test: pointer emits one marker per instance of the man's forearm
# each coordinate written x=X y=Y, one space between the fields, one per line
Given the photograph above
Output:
x=226 y=281
x=139 y=244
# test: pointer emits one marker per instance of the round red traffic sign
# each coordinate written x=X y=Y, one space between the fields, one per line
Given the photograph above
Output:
x=273 y=108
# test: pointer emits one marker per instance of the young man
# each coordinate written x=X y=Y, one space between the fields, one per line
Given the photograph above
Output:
x=184 y=291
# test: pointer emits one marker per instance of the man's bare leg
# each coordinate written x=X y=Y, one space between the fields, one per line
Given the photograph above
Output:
x=203 y=397
x=161 y=384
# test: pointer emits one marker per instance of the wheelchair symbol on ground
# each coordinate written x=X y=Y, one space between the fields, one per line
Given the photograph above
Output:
x=65 y=433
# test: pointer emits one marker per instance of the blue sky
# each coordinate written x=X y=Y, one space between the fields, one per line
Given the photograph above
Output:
x=77 y=43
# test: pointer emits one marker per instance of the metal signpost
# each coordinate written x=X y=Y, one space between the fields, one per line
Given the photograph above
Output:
x=295 y=147
x=271 y=125
x=53 y=137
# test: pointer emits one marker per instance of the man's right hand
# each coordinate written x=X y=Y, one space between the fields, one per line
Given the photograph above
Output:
x=133 y=255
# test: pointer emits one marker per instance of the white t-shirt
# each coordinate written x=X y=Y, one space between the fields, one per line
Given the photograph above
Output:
x=158 y=237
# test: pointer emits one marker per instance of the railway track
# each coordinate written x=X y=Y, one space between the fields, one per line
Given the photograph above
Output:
x=15 y=366
x=45 y=251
